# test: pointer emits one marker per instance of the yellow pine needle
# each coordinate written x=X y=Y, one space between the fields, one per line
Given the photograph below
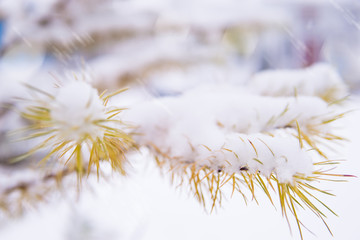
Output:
x=107 y=97
x=299 y=134
x=267 y=146
x=290 y=195
x=35 y=89
x=257 y=160
x=112 y=147
x=206 y=147
x=216 y=192
x=336 y=117
x=339 y=101
x=207 y=175
x=257 y=155
x=226 y=179
x=263 y=186
x=53 y=151
x=296 y=217
x=101 y=96
x=298 y=194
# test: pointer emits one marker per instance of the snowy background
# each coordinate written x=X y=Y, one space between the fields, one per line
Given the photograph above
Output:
x=164 y=48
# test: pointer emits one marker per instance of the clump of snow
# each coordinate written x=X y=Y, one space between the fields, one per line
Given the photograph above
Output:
x=279 y=154
x=320 y=80
x=221 y=126
x=75 y=108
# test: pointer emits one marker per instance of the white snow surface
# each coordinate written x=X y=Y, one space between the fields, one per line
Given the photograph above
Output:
x=76 y=106
x=225 y=117
x=145 y=206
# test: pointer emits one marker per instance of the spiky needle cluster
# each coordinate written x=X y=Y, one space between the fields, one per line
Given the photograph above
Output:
x=207 y=182
x=224 y=140
x=77 y=127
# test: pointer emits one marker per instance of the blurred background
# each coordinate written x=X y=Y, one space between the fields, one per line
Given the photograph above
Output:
x=162 y=48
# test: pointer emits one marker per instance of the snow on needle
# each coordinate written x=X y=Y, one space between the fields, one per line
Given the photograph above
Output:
x=78 y=127
x=267 y=151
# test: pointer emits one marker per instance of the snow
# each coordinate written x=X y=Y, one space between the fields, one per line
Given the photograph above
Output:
x=75 y=107
x=196 y=96
x=218 y=118
x=215 y=117
x=320 y=80
x=146 y=206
